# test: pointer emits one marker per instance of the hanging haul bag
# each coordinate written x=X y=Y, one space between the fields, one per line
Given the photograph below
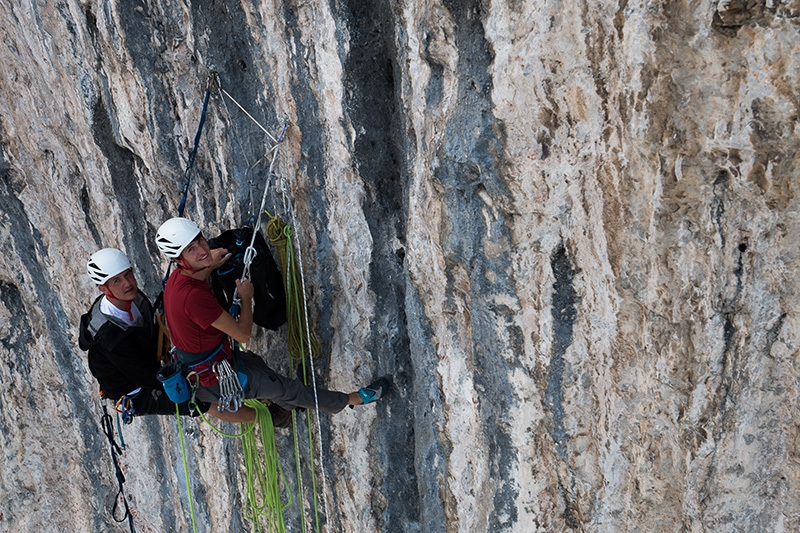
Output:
x=269 y=307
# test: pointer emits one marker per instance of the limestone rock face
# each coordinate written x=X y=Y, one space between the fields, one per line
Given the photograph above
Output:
x=569 y=230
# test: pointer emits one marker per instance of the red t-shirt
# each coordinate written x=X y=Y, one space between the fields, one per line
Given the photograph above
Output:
x=190 y=308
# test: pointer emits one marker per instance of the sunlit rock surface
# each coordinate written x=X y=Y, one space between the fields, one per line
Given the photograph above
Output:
x=569 y=230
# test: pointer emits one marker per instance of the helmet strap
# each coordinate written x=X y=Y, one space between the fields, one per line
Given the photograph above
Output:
x=183 y=266
x=126 y=304
x=128 y=309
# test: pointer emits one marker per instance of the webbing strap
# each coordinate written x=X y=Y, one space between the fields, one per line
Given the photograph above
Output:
x=164 y=343
x=193 y=360
x=108 y=429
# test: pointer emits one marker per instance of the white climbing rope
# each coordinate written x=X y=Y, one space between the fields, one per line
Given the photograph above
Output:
x=287 y=208
x=250 y=252
x=291 y=212
x=223 y=91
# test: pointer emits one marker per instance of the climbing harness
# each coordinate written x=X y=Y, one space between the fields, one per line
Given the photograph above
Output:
x=107 y=424
x=200 y=366
x=214 y=368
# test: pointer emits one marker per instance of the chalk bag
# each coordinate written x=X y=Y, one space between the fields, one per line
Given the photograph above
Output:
x=174 y=382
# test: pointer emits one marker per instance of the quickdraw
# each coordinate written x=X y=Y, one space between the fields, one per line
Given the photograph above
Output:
x=108 y=429
x=216 y=369
x=230 y=389
x=124 y=406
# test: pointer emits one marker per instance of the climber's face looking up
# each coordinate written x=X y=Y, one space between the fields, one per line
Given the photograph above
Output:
x=197 y=255
x=122 y=287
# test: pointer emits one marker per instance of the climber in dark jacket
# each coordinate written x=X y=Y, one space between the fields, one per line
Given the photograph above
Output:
x=121 y=335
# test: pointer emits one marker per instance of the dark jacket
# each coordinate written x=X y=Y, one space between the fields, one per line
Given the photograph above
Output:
x=122 y=358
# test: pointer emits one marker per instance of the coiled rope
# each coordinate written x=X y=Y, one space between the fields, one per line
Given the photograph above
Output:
x=263 y=471
x=263 y=474
x=281 y=237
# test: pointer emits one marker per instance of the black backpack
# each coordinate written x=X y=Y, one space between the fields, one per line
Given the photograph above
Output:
x=269 y=306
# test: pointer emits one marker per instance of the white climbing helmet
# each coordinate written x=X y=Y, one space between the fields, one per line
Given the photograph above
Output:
x=174 y=235
x=105 y=264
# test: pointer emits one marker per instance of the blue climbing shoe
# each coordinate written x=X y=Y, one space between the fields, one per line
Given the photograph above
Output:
x=374 y=391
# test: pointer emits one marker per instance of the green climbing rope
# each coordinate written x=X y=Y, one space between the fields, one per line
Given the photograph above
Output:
x=263 y=473
x=263 y=476
x=299 y=338
x=280 y=236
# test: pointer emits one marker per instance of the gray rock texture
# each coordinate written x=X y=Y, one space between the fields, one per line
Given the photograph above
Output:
x=569 y=230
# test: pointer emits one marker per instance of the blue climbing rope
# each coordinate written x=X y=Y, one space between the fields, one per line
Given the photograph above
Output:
x=212 y=77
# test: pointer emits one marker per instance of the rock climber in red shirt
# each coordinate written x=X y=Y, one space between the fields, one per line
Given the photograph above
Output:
x=200 y=330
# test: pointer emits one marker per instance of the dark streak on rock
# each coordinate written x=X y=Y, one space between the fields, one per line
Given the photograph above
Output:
x=87 y=209
x=471 y=169
x=31 y=251
x=717 y=204
x=564 y=316
x=372 y=103
x=122 y=164
x=738 y=272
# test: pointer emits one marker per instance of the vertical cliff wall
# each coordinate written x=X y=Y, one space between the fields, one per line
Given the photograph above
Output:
x=569 y=230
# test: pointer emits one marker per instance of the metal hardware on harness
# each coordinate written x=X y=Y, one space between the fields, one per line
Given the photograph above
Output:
x=124 y=406
x=231 y=394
